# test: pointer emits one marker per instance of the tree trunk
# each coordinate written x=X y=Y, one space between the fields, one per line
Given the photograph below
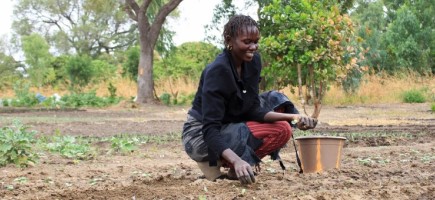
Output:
x=300 y=90
x=145 y=83
x=318 y=102
x=316 y=97
x=148 y=35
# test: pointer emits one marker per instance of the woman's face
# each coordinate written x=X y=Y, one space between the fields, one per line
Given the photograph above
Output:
x=245 y=44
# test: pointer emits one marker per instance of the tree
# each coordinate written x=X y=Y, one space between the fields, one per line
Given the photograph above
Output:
x=224 y=10
x=77 y=26
x=149 y=30
x=38 y=59
x=307 y=43
x=187 y=60
x=8 y=65
x=398 y=34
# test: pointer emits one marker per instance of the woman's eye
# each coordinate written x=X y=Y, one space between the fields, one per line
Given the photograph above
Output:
x=250 y=42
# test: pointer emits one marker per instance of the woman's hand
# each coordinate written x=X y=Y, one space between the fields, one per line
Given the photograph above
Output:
x=244 y=172
x=305 y=123
x=242 y=169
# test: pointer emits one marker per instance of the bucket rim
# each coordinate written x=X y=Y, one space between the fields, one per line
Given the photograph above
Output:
x=320 y=137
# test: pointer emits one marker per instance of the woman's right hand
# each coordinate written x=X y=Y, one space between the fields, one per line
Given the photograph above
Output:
x=242 y=169
x=244 y=172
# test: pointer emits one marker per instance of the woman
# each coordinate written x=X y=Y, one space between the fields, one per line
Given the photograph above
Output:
x=226 y=124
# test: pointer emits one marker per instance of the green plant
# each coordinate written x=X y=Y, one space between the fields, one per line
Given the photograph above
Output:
x=24 y=98
x=112 y=90
x=16 y=145
x=21 y=179
x=432 y=107
x=70 y=147
x=129 y=67
x=166 y=98
x=413 y=96
x=307 y=43
x=91 y=99
x=81 y=72
x=124 y=145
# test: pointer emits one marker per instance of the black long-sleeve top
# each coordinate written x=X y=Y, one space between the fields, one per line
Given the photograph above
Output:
x=222 y=97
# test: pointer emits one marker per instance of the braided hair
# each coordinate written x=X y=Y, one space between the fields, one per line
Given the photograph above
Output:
x=236 y=25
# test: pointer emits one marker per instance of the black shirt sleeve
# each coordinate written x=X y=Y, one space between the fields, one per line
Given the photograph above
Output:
x=216 y=83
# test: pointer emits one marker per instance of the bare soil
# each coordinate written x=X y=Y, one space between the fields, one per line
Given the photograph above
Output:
x=395 y=162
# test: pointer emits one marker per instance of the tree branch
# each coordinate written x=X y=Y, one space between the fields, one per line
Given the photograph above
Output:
x=132 y=9
x=161 y=16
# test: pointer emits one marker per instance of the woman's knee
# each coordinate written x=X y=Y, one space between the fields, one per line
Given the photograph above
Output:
x=285 y=129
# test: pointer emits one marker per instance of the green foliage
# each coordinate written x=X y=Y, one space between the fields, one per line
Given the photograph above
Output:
x=316 y=37
x=189 y=59
x=124 y=145
x=102 y=70
x=165 y=98
x=89 y=99
x=96 y=26
x=59 y=67
x=82 y=70
x=112 y=91
x=24 y=98
x=371 y=25
x=181 y=99
x=413 y=96
x=352 y=81
x=130 y=66
x=432 y=106
x=70 y=147
x=402 y=44
x=397 y=35
x=16 y=145
x=8 y=70
x=186 y=99
x=79 y=71
x=38 y=58
x=309 y=41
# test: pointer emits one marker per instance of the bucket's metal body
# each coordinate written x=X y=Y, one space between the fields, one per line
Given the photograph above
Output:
x=320 y=153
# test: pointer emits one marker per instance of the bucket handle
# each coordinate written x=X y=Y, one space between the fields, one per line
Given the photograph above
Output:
x=297 y=156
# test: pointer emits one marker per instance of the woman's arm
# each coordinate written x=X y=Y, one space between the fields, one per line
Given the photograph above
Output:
x=276 y=116
x=302 y=122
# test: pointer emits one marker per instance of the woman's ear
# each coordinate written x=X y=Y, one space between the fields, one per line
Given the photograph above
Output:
x=227 y=39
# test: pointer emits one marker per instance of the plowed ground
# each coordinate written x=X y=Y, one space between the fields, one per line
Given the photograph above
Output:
x=389 y=154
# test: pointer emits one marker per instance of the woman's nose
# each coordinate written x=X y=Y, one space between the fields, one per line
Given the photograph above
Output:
x=253 y=46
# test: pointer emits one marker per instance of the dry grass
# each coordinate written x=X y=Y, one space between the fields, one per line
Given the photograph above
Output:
x=374 y=89
x=381 y=89
x=180 y=85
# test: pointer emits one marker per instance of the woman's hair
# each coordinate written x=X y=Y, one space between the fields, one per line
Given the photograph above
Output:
x=236 y=24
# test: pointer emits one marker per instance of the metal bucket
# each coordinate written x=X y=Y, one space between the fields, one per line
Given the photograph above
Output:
x=320 y=153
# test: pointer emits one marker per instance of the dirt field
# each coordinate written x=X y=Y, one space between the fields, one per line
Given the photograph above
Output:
x=395 y=162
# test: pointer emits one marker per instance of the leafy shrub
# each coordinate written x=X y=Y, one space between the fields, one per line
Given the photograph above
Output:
x=16 y=145
x=165 y=98
x=131 y=63
x=413 y=96
x=124 y=145
x=91 y=99
x=24 y=98
x=432 y=107
x=70 y=147
x=186 y=99
x=181 y=99
x=79 y=71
